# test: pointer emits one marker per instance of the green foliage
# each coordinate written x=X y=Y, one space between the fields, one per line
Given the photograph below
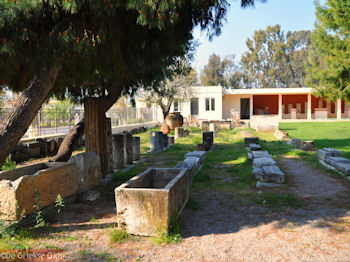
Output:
x=275 y=59
x=8 y=165
x=174 y=232
x=59 y=203
x=329 y=68
x=39 y=218
x=118 y=236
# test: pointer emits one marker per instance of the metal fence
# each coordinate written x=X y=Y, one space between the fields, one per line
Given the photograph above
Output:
x=58 y=121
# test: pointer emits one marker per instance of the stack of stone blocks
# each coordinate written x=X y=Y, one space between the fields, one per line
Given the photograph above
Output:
x=332 y=158
x=265 y=170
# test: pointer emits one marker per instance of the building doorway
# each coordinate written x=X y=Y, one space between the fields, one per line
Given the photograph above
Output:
x=194 y=107
x=245 y=108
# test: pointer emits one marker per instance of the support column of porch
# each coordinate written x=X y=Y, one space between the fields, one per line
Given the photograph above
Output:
x=280 y=113
x=309 y=106
x=251 y=107
x=338 y=109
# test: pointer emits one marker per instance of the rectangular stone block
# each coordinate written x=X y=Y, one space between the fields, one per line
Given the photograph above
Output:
x=128 y=148
x=153 y=141
x=332 y=151
x=208 y=137
x=323 y=154
x=33 y=149
x=136 y=148
x=259 y=154
x=343 y=167
x=336 y=159
x=198 y=154
x=118 y=151
x=254 y=147
x=160 y=138
x=146 y=202
x=271 y=174
x=191 y=163
x=263 y=161
x=165 y=140
x=89 y=173
x=21 y=188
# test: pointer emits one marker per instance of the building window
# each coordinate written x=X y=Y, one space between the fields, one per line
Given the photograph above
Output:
x=210 y=104
x=177 y=106
x=207 y=104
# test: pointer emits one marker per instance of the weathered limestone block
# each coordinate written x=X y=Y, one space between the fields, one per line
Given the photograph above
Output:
x=263 y=161
x=128 y=148
x=343 y=167
x=160 y=137
x=180 y=132
x=208 y=137
x=153 y=141
x=270 y=174
x=324 y=153
x=118 y=150
x=198 y=154
x=307 y=145
x=136 y=148
x=251 y=140
x=89 y=170
x=146 y=202
x=165 y=140
x=259 y=154
x=33 y=149
x=257 y=172
x=21 y=188
x=254 y=147
x=336 y=159
x=191 y=163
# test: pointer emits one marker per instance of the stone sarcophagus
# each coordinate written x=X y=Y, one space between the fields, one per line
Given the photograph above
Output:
x=146 y=202
x=39 y=184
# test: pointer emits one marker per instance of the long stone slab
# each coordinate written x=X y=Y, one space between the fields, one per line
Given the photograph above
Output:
x=263 y=161
x=198 y=154
x=336 y=159
x=22 y=188
x=343 y=167
x=324 y=153
x=191 y=163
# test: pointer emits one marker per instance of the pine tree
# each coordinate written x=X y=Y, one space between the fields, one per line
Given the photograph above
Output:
x=329 y=59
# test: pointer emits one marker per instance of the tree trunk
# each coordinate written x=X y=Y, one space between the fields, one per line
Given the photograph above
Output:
x=25 y=109
x=66 y=148
x=65 y=151
x=95 y=131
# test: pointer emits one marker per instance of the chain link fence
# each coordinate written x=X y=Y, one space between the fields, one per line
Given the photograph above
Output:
x=60 y=121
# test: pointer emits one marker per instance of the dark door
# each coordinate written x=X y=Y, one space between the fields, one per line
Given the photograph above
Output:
x=194 y=107
x=245 y=108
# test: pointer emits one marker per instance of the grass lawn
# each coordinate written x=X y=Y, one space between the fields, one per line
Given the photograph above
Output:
x=324 y=134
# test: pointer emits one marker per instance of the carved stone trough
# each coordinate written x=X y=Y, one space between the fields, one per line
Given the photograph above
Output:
x=22 y=188
x=146 y=202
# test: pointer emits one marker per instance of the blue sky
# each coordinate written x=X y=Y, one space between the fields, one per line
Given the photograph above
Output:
x=292 y=15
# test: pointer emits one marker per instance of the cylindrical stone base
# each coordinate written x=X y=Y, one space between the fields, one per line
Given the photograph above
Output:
x=136 y=148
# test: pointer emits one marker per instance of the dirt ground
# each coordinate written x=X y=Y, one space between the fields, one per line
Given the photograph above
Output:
x=227 y=227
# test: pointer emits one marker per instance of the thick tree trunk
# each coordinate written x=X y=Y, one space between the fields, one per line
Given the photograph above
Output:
x=95 y=131
x=25 y=109
x=66 y=148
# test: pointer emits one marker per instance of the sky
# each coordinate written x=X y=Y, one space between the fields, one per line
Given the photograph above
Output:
x=292 y=15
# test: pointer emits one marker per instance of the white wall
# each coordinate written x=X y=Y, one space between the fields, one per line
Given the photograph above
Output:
x=232 y=102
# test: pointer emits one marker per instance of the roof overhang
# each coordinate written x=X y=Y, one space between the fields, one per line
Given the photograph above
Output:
x=268 y=91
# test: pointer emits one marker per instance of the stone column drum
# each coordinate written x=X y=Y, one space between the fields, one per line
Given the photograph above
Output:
x=153 y=141
x=118 y=150
x=136 y=148
x=128 y=148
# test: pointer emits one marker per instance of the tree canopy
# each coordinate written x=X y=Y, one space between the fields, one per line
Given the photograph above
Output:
x=329 y=59
x=275 y=59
